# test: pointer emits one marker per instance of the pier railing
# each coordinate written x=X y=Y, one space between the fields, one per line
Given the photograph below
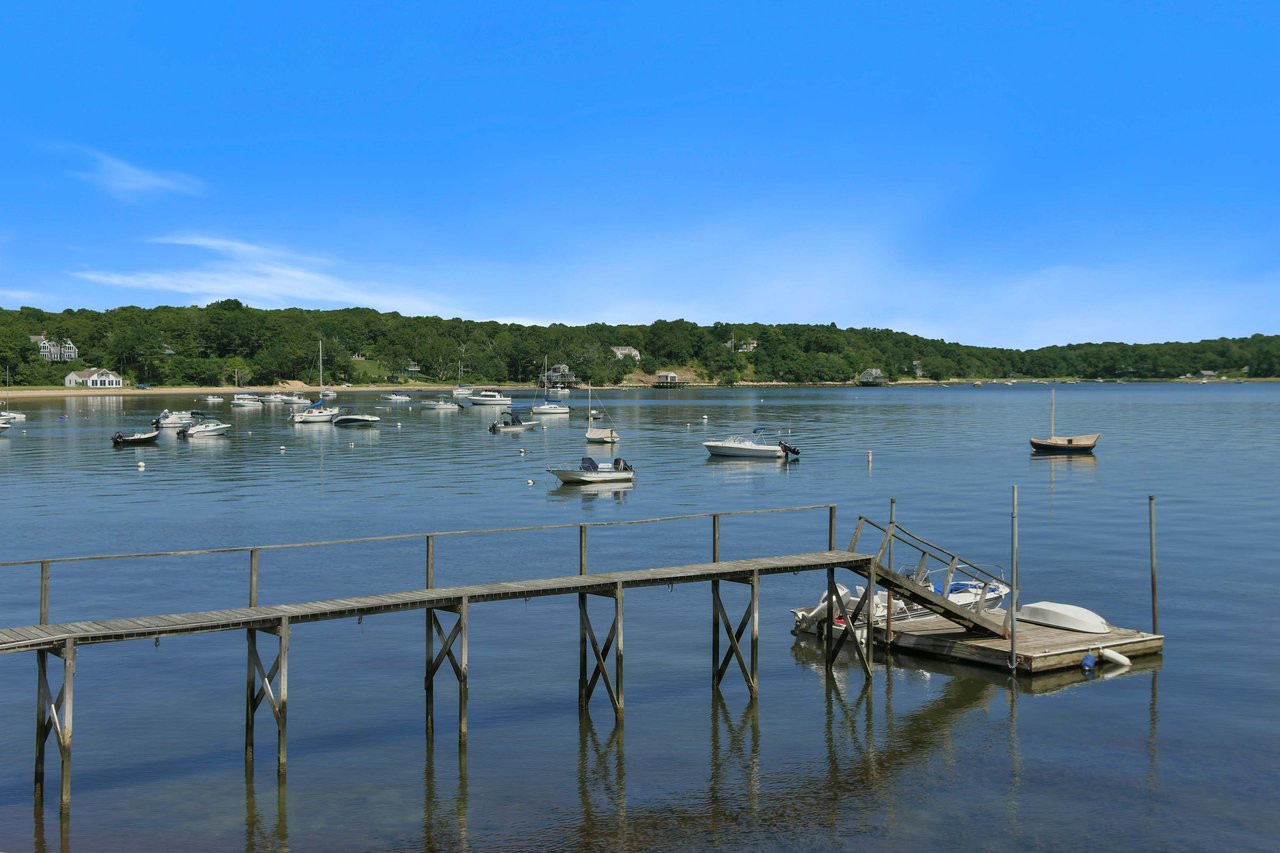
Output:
x=429 y=539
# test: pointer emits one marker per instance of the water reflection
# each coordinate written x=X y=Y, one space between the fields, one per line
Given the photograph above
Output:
x=257 y=834
x=591 y=491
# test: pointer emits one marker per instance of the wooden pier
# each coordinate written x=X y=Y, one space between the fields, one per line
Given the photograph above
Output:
x=956 y=632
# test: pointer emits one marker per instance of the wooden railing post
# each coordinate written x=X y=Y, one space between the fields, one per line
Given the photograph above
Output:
x=582 y=549
x=253 y=577
x=44 y=592
x=431 y=561
x=715 y=537
x=831 y=527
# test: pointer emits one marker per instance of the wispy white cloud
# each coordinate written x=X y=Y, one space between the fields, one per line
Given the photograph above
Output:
x=266 y=277
x=128 y=182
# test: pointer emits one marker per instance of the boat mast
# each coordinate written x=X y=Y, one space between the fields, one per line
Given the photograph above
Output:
x=1051 y=390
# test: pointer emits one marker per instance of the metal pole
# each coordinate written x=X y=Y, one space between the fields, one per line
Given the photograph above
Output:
x=1013 y=601
x=1151 y=520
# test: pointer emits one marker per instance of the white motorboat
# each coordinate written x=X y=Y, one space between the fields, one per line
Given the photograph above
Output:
x=328 y=394
x=509 y=421
x=396 y=397
x=1068 y=617
x=172 y=420
x=294 y=400
x=213 y=398
x=7 y=415
x=348 y=417
x=462 y=392
x=273 y=397
x=246 y=401
x=4 y=425
x=316 y=413
x=488 y=398
x=591 y=471
x=442 y=403
x=203 y=426
x=751 y=447
x=964 y=592
x=558 y=391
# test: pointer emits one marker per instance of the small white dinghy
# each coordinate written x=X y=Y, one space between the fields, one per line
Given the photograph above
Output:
x=1068 y=617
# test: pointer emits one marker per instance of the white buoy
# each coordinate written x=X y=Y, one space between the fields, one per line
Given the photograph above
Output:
x=704 y=417
x=528 y=482
x=282 y=448
x=142 y=465
x=351 y=444
x=522 y=451
x=1113 y=656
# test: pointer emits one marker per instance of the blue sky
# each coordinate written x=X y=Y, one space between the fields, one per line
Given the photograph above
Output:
x=1001 y=174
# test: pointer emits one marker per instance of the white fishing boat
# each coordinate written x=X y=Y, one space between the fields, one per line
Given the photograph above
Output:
x=203 y=426
x=246 y=401
x=273 y=397
x=294 y=400
x=316 y=413
x=396 y=397
x=328 y=394
x=591 y=471
x=172 y=420
x=751 y=447
x=599 y=434
x=1068 y=617
x=122 y=440
x=509 y=421
x=974 y=594
x=213 y=398
x=462 y=392
x=348 y=417
x=442 y=403
x=488 y=398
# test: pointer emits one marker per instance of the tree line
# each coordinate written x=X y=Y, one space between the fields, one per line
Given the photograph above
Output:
x=229 y=343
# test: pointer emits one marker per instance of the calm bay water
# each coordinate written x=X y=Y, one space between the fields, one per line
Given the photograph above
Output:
x=1178 y=753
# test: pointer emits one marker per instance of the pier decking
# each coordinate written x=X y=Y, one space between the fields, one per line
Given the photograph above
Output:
x=50 y=638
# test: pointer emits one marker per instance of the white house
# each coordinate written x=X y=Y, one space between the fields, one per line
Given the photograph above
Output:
x=94 y=377
x=626 y=352
x=54 y=351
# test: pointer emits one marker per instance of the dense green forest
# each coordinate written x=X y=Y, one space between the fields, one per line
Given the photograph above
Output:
x=229 y=343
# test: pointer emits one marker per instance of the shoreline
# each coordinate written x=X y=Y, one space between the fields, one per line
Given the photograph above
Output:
x=168 y=391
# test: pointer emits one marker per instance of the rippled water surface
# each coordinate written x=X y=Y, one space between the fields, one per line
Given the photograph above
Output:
x=1177 y=753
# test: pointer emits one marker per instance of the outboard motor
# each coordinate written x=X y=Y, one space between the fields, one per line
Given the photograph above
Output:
x=620 y=464
x=787 y=448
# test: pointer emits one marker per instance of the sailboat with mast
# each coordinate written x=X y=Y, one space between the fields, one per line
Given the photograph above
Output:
x=325 y=393
x=1063 y=443
x=599 y=434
